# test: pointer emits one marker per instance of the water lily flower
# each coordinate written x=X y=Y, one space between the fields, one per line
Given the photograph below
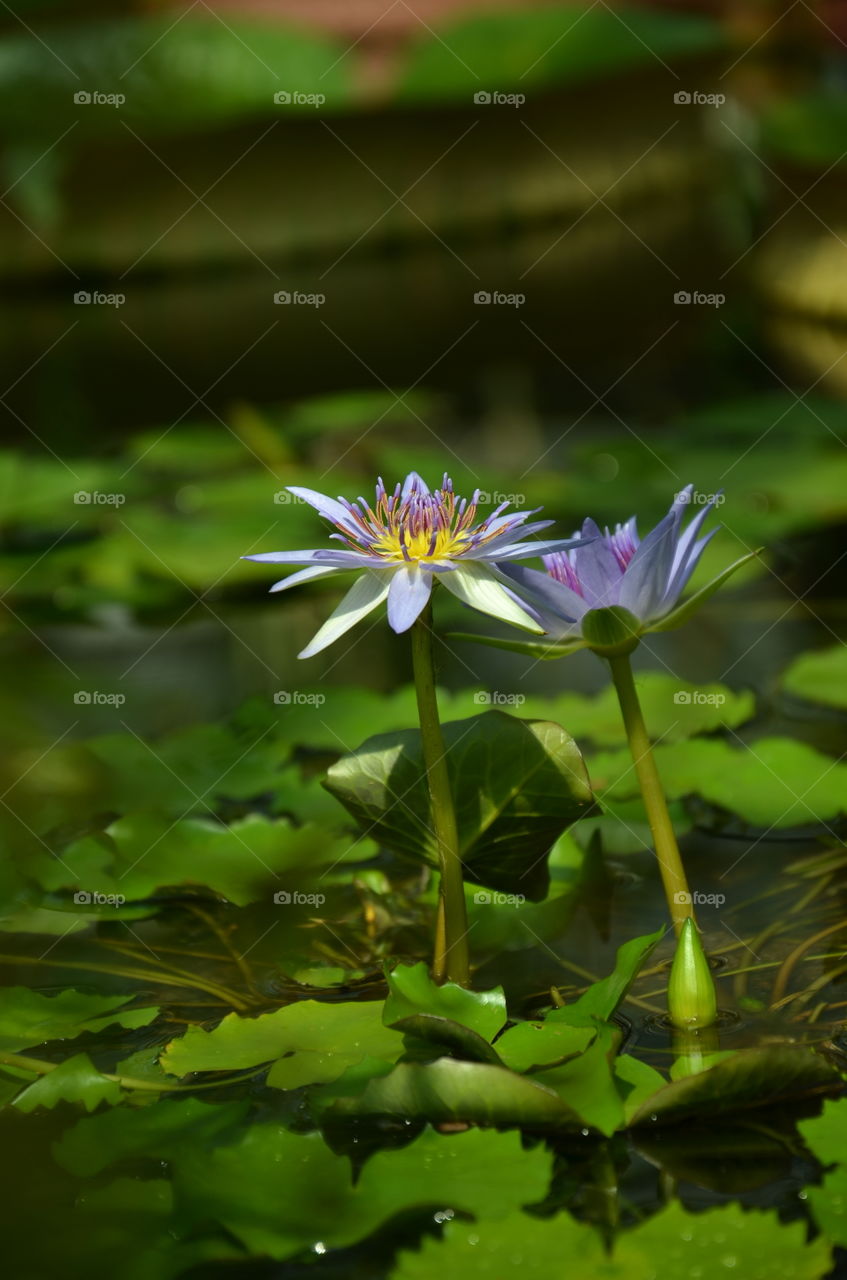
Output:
x=408 y=537
x=612 y=587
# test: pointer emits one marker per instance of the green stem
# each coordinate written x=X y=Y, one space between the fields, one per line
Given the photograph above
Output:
x=451 y=960
x=667 y=851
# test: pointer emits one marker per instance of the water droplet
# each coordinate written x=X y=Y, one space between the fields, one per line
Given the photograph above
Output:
x=319 y=1247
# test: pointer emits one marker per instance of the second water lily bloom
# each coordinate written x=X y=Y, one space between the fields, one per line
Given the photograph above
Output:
x=403 y=542
x=612 y=587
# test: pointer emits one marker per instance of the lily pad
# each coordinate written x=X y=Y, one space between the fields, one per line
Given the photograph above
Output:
x=74 y=1080
x=602 y=998
x=411 y=990
x=450 y=1090
x=749 y=1078
x=308 y=1042
x=28 y=1018
x=674 y=1244
x=820 y=676
x=517 y=785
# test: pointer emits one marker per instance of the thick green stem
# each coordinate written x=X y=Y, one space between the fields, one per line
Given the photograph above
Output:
x=450 y=961
x=664 y=840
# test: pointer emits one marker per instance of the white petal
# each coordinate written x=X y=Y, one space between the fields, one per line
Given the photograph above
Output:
x=304 y=575
x=410 y=591
x=475 y=584
x=365 y=594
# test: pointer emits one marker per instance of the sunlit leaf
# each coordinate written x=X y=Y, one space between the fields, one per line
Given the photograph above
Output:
x=411 y=990
x=74 y=1080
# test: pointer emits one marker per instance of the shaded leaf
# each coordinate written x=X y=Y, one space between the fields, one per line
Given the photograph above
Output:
x=517 y=785
x=28 y=1018
x=74 y=1080
x=820 y=676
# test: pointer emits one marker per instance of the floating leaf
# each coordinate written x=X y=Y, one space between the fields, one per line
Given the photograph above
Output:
x=772 y=782
x=674 y=1244
x=250 y=859
x=158 y=1132
x=302 y=1194
x=450 y=1090
x=28 y=1018
x=587 y=1083
x=411 y=990
x=531 y=1045
x=602 y=998
x=308 y=1042
x=517 y=785
x=749 y=1078
x=429 y=1036
x=820 y=676
x=74 y=1080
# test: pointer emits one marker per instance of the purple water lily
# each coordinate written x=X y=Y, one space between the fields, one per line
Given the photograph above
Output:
x=641 y=580
x=400 y=544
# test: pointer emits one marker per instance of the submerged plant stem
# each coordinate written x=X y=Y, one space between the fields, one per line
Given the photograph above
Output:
x=450 y=960
x=664 y=840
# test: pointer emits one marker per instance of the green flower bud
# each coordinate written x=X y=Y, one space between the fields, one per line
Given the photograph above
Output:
x=691 y=991
x=611 y=632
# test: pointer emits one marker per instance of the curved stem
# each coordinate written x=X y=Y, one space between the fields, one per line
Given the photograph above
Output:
x=451 y=960
x=667 y=851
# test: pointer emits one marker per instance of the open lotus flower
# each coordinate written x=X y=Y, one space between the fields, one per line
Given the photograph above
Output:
x=409 y=536
x=612 y=587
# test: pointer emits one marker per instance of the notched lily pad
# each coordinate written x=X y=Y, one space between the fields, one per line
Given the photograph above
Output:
x=750 y=1078
x=517 y=785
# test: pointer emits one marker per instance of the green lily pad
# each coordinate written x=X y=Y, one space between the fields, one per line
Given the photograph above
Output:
x=302 y=1194
x=602 y=998
x=28 y=1018
x=828 y=1203
x=74 y=1080
x=158 y=1133
x=308 y=1042
x=826 y=1134
x=517 y=785
x=673 y=1245
x=749 y=1078
x=587 y=1084
x=431 y=1037
x=250 y=859
x=532 y=1045
x=450 y=1090
x=820 y=676
x=772 y=782
x=411 y=990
